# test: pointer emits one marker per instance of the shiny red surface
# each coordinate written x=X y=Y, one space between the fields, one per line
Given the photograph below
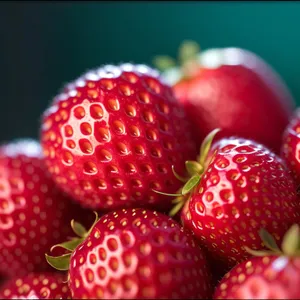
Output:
x=239 y=100
x=111 y=141
x=244 y=189
x=139 y=254
x=34 y=214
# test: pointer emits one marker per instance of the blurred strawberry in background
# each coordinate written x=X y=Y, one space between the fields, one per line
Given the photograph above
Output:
x=232 y=89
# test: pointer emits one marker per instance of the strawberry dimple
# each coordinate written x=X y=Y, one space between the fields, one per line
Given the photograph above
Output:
x=244 y=188
x=137 y=254
x=116 y=141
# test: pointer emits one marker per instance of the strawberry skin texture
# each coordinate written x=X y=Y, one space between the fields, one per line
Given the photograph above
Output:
x=245 y=188
x=34 y=214
x=139 y=254
x=113 y=138
x=266 y=277
x=243 y=97
x=290 y=150
x=36 y=286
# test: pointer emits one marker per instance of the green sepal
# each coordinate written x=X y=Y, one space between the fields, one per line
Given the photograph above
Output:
x=206 y=145
x=78 y=229
x=188 y=51
x=95 y=222
x=268 y=240
x=260 y=253
x=193 y=167
x=176 y=208
x=163 y=62
x=291 y=241
x=177 y=199
x=69 y=245
x=180 y=178
x=193 y=181
x=60 y=263
x=167 y=194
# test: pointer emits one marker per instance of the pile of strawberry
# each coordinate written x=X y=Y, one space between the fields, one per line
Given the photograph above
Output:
x=115 y=202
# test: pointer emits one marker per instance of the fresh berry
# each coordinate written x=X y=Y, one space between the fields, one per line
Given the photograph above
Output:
x=136 y=254
x=232 y=89
x=36 y=286
x=34 y=214
x=273 y=275
x=290 y=150
x=112 y=138
x=236 y=188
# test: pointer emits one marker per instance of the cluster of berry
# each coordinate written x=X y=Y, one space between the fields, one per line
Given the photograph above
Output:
x=113 y=201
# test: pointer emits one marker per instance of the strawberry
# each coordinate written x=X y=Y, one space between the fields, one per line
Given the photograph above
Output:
x=135 y=254
x=273 y=274
x=231 y=89
x=237 y=187
x=112 y=137
x=34 y=214
x=291 y=145
x=36 y=286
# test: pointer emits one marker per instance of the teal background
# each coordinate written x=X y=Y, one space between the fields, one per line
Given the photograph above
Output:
x=44 y=45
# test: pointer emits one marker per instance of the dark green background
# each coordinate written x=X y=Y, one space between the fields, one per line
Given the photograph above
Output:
x=44 y=45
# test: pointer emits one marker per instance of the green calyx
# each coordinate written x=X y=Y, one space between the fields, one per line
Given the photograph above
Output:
x=187 y=59
x=62 y=262
x=195 y=170
x=290 y=245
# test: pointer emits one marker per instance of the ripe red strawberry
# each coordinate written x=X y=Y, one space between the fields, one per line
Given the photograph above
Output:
x=232 y=89
x=239 y=189
x=275 y=276
x=33 y=213
x=136 y=254
x=290 y=150
x=113 y=138
x=36 y=286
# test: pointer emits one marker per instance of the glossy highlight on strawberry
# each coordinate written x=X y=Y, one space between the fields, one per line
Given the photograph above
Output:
x=112 y=135
x=136 y=254
x=36 y=286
